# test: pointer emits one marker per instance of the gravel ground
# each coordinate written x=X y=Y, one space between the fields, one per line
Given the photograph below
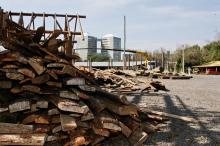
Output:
x=199 y=98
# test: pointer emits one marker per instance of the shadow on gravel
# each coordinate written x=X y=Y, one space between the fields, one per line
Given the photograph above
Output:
x=182 y=133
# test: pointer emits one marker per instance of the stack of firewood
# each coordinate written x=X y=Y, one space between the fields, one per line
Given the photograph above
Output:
x=45 y=100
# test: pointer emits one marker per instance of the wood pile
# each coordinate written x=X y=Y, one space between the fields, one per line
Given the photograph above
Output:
x=45 y=100
x=120 y=81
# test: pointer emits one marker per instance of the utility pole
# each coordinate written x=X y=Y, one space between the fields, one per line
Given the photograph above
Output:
x=124 y=58
x=183 y=65
x=162 y=58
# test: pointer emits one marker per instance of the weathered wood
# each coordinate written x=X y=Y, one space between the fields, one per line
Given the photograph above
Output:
x=10 y=66
x=53 y=111
x=31 y=88
x=54 y=84
x=7 y=128
x=149 y=128
x=97 y=140
x=125 y=130
x=3 y=109
x=55 y=119
x=95 y=104
x=56 y=138
x=101 y=131
x=23 y=139
x=36 y=66
x=57 y=129
x=40 y=128
x=15 y=90
x=19 y=106
x=113 y=97
x=88 y=116
x=25 y=81
x=68 y=94
x=67 y=122
x=56 y=65
x=5 y=84
x=52 y=74
x=42 y=104
x=39 y=119
x=164 y=114
x=40 y=79
x=87 y=88
x=14 y=76
x=74 y=81
x=67 y=105
x=138 y=137
x=80 y=94
x=120 y=109
x=27 y=72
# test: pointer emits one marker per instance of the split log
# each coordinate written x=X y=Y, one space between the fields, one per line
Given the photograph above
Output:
x=19 y=106
x=74 y=81
x=54 y=84
x=67 y=105
x=31 y=88
x=42 y=104
x=67 y=123
x=9 y=128
x=26 y=72
x=40 y=79
x=23 y=139
x=14 y=76
x=53 y=111
x=36 y=66
x=68 y=94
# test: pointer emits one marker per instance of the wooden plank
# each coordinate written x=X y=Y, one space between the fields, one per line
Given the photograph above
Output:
x=27 y=72
x=16 y=90
x=57 y=129
x=53 y=111
x=54 y=84
x=10 y=66
x=19 y=106
x=68 y=94
x=138 y=137
x=39 y=119
x=101 y=131
x=36 y=66
x=9 y=128
x=42 y=104
x=55 y=119
x=23 y=139
x=40 y=79
x=3 y=109
x=56 y=65
x=125 y=130
x=67 y=122
x=67 y=105
x=164 y=114
x=14 y=76
x=120 y=109
x=5 y=84
x=31 y=88
x=88 y=116
x=87 y=88
x=74 y=81
x=80 y=94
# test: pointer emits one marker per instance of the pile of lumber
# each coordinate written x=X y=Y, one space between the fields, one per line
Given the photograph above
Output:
x=45 y=100
x=119 y=81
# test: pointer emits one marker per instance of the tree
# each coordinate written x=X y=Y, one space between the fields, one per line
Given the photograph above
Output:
x=211 y=51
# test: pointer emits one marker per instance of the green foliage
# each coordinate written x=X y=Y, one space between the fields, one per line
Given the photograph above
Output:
x=99 y=57
x=194 y=55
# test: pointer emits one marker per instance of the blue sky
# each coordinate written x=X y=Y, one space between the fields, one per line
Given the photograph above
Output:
x=151 y=24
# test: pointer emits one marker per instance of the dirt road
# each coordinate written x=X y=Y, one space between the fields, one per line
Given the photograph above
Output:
x=198 y=98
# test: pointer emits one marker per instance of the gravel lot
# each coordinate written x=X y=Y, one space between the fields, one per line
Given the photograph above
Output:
x=199 y=98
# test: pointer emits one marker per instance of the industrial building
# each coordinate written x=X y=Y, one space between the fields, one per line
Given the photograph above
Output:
x=86 y=47
x=109 y=41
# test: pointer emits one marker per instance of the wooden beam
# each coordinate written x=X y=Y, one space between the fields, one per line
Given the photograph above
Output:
x=23 y=139
x=9 y=128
